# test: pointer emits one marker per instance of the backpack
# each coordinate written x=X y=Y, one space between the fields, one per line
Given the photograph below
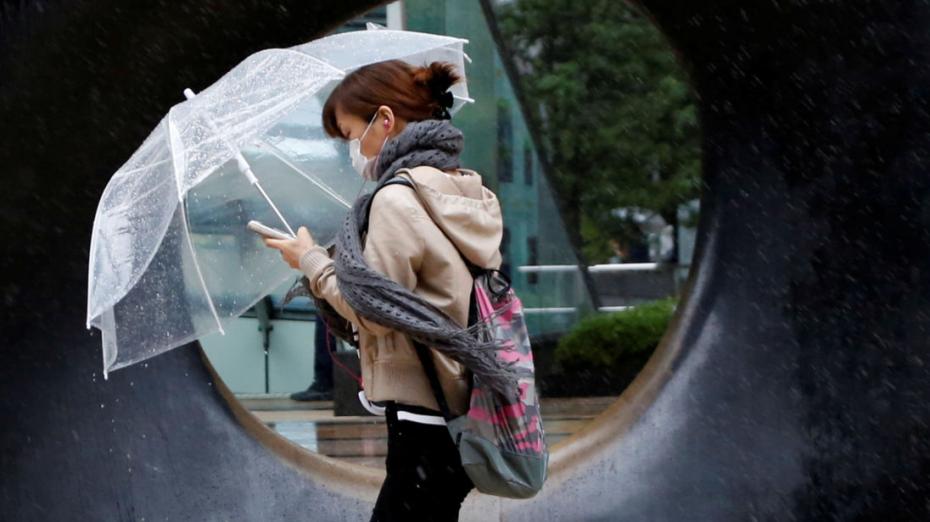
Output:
x=500 y=440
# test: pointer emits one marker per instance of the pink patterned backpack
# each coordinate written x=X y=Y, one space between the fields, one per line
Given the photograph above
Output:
x=501 y=441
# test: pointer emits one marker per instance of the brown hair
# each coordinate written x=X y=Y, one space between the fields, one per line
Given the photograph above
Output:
x=413 y=93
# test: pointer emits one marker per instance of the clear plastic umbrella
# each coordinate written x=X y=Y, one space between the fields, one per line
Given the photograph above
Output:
x=171 y=259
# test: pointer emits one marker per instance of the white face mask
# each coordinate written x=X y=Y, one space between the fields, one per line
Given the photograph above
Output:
x=363 y=165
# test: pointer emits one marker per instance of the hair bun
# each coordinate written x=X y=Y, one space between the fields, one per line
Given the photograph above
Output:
x=413 y=93
x=438 y=77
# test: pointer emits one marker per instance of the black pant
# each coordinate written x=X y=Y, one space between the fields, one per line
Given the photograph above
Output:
x=322 y=360
x=425 y=479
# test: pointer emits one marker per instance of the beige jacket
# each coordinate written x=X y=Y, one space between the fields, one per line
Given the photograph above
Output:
x=409 y=241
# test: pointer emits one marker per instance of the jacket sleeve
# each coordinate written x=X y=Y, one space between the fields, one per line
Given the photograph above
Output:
x=394 y=247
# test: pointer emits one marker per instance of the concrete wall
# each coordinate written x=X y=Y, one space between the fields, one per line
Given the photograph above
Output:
x=792 y=385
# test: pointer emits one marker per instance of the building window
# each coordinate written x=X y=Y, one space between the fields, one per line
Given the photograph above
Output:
x=504 y=142
x=527 y=165
x=532 y=245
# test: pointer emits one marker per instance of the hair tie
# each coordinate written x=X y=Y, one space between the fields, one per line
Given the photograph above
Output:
x=445 y=100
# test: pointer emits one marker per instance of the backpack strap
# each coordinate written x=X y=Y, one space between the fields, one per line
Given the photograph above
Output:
x=423 y=351
x=393 y=181
x=320 y=303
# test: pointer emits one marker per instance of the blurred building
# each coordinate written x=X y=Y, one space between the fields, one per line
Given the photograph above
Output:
x=388 y=16
x=499 y=146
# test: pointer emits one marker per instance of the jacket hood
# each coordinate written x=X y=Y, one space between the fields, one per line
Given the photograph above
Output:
x=465 y=210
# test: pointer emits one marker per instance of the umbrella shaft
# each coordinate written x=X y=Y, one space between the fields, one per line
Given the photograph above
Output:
x=273 y=207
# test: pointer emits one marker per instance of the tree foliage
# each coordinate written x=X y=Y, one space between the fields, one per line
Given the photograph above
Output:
x=615 y=112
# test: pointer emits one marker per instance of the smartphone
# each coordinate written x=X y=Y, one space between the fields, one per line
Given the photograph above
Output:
x=265 y=230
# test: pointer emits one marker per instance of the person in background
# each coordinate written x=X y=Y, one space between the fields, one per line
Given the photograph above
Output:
x=322 y=387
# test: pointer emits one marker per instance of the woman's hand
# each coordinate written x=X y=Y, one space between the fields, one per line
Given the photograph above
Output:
x=292 y=249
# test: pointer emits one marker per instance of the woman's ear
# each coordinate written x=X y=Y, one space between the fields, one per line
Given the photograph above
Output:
x=385 y=119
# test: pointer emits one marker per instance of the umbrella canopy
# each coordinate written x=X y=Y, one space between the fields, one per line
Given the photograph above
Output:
x=171 y=259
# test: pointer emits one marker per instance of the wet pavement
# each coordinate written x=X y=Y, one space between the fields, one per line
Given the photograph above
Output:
x=363 y=440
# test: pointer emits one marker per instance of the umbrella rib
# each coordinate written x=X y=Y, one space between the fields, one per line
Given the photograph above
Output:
x=135 y=198
x=147 y=166
x=203 y=282
x=322 y=186
x=339 y=72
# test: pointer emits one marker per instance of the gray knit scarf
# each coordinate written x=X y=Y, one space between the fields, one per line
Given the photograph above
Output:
x=373 y=296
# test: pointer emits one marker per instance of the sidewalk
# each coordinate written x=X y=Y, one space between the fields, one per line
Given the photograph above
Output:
x=363 y=440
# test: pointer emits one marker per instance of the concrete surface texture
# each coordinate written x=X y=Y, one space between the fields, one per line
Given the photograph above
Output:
x=793 y=385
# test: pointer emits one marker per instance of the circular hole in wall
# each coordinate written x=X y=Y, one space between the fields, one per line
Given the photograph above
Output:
x=629 y=199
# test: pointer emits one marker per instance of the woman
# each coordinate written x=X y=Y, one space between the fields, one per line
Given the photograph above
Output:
x=412 y=278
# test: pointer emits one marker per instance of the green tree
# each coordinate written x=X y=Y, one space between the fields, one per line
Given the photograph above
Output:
x=615 y=112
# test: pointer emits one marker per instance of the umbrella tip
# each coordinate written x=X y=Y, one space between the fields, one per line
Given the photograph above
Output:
x=189 y=93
